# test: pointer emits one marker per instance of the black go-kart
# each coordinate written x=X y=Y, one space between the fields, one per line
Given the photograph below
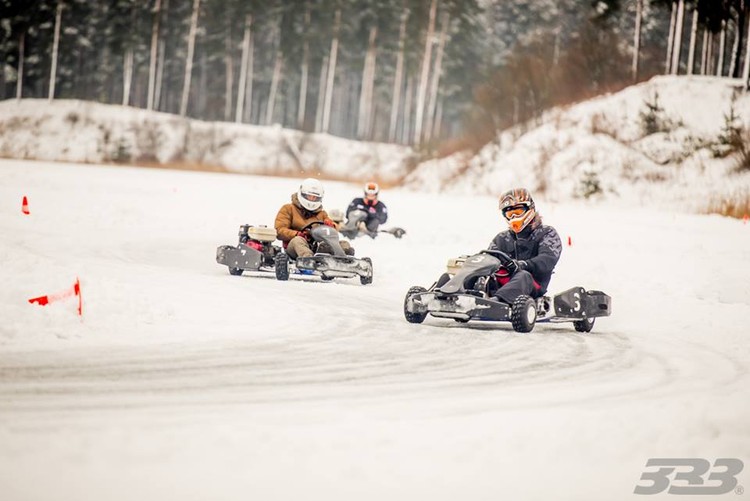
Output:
x=466 y=293
x=329 y=260
x=254 y=252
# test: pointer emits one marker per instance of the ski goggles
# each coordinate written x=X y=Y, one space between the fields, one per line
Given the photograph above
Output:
x=312 y=197
x=515 y=211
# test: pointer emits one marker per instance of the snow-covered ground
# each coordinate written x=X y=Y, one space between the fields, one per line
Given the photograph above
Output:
x=183 y=382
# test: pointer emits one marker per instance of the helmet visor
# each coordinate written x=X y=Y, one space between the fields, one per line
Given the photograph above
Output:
x=312 y=197
x=515 y=211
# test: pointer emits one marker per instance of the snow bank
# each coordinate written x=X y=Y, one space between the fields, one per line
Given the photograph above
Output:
x=600 y=148
x=81 y=131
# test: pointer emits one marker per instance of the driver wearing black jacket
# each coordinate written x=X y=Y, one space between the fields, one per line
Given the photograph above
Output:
x=534 y=247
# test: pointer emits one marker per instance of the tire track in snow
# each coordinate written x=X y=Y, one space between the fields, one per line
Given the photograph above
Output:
x=452 y=368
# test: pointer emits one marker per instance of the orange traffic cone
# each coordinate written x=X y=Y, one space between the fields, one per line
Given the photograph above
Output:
x=25 y=205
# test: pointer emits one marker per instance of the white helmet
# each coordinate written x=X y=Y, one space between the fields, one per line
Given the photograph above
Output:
x=371 y=190
x=310 y=194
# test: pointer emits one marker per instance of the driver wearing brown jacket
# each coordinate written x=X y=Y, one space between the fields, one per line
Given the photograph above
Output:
x=292 y=219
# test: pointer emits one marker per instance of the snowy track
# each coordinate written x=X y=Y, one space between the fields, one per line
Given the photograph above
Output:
x=183 y=382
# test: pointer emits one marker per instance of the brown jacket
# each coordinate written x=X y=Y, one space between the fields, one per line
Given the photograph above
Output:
x=293 y=217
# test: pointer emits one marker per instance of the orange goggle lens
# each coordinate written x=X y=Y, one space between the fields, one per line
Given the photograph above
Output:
x=515 y=211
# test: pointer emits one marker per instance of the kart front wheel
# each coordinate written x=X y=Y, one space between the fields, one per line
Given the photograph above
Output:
x=584 y=325
x=235 y=271
x=523 y=314
x=281 y=266
x=413 y=317
x=367 y=279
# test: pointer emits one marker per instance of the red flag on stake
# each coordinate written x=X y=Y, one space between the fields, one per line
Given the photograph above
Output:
x=570 y=241
x=744 y=219
x=73 y=290
x=25 y=205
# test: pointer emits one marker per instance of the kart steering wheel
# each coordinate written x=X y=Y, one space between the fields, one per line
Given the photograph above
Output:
x=505 y=260
x=310 y=225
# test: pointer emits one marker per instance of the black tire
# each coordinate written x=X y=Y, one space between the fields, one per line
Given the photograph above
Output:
x=523 y=314
x=326 y=278
x=584 y=325
x=235 y=271
x=411 y=317
x=281 y=266
x=462 y=320
x=366 y=280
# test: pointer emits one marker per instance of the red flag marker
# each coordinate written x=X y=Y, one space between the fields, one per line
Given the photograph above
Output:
x=25 y=205
x=570 y=242
x=73 y=290
x=744 y=219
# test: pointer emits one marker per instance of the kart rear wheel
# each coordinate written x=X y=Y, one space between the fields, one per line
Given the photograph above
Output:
x=584 y=325
x=281 y=266
x=365 y=280
x=235 y=271
x=523 y=314
x=410 y=316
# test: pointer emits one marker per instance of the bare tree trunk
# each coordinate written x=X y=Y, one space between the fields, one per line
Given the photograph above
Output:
x=127 y=75
x=331 y=73
x=733 y=59
x=406 y=125
x=678 y=38
x=722 y=48
x=365 y=95
x=398 y=78
x=436 y=133
x=242 y=90
x=274 y=86
x=425 y=75
x=693 y=38
x=229 y=71
x=321 y=95
x=154 y=55
x=704 y=52
x=711 y=48
x=637 y=39
x=250 y=78
x=741 y=27
x=746 y=68
x=301 y=108
x=189 y=59
x=199 y=108
x=435 y=83
x=21 y=50
x=670 y=41
x=55 y=47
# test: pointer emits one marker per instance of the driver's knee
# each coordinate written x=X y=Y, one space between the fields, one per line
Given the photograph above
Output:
x=298 y=247
x=347 y=248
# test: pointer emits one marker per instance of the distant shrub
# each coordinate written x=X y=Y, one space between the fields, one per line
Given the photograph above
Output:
x=735 y=204
x=590 y=185
x=653 y=119
x=731 y=138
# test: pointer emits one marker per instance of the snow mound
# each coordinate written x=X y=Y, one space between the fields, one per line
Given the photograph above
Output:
x=612 y=147
x=82 y=131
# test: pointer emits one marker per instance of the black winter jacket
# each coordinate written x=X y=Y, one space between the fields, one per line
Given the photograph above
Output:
x=539 y=245
x=379 y=210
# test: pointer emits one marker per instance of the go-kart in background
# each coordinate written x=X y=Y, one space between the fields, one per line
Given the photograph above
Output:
x=183 y=382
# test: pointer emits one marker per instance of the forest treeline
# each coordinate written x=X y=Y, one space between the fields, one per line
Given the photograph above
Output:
x=416 y=72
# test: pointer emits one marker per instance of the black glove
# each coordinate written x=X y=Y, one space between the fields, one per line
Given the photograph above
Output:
x=514 y=266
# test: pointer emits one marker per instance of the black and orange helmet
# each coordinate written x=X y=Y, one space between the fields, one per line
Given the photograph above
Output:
x=517 y=208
